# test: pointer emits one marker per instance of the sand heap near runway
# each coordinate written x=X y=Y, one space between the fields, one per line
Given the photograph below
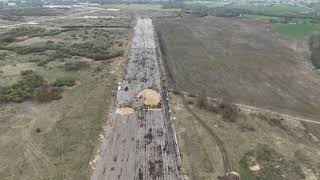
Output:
x=150 y=97
x=125 y=111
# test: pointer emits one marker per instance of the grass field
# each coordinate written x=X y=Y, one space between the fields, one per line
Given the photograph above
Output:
x=294 y=28
x=277 y=9
x=154 y=7
x=210 y=4
x=300 y=30
x=57 y=138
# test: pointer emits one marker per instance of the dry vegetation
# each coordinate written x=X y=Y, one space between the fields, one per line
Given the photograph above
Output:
x=56 y=90
x=258 y=145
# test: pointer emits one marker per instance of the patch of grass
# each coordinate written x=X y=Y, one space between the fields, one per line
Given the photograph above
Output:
x=21 y=90
x=273 y=165
x=92 y=50
x=245 y=172
x=47 y=93
x=26 y=72
x=29 y=12
x=275 y=9
x=8 y=17
x=74 y=66
x=11 y=35
x=64 y=82
x=298 y=30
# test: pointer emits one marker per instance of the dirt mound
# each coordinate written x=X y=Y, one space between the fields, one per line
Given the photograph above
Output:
x=125 y=111
x=150 y=97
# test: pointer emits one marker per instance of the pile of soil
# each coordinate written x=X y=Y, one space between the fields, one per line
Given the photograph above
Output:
x=125 y=111
x=150 y=97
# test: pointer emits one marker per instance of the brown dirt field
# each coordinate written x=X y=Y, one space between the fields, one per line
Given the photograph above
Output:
x=245 y=62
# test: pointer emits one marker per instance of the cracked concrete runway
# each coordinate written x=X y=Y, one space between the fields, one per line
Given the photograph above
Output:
x=141 y=145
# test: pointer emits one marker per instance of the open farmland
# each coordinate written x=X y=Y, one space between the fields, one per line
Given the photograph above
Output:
x=241 y=61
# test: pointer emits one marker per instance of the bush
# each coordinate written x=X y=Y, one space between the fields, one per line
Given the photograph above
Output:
x=38 y=130
x=228 y=111
x=202 y=100
x=47 y=93
x=21 y=90
x=11 y=35
x=64 y=82
x=26 y=72
x=73 y=66
x=42 y=62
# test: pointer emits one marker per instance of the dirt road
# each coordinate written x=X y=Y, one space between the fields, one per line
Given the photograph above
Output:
x=141 y=143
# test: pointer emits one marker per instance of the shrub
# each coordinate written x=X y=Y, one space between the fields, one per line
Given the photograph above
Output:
x=33 y=59
x=38 y=130
x=22 y=89
x=47 y=93
x=64 y=82
x=26 y=72
x=202 y=100
x=228 y=111
x=175 y=92
x=73 y=66
x=42 y=62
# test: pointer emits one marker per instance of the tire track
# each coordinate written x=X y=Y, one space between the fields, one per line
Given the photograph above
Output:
x=35 y=150
x=213 y=136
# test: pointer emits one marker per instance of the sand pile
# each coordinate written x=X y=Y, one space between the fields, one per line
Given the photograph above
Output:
x=150 y=97
x=125 y=111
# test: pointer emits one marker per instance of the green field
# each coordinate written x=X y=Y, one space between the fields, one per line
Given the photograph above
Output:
x=293 y=28
x=155 y=7
x=297 y=30
x=277 y=9
x=210 y=4
x=259 y=17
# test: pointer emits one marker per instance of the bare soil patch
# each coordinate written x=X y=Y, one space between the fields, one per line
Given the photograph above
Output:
x=150 y=98
x=245 y=62
x=125 y=111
